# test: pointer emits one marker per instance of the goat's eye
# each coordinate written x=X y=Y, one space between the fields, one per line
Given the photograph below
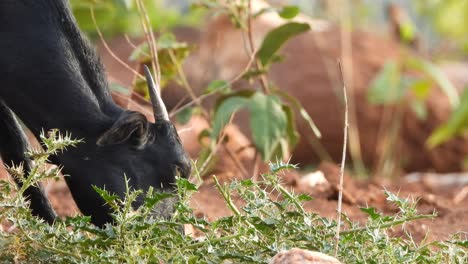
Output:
x=178 y=171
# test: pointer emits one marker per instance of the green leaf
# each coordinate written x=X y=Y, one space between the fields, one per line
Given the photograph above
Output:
x=218 y=86
x=110 y=199
x=420 y=88
x=253 y=73
x=297 y=105
x=371 y=212
x=304 y=198
x=419 y=108
x=124 y=3
x=288 y=12
x=438 y=76
x=140 y=52
x=185 y=184
x=263 y=11
x=156 y=197
x=457 y=124
x=291 y=130
x=386 y=87
x=183 y=117
x=407 y=31
x=268 y=123
x=277 y=37
x=223 y=112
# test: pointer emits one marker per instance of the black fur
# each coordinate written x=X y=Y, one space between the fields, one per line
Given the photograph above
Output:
x=50 y=77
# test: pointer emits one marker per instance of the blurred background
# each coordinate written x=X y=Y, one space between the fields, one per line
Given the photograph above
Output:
x=403 y=64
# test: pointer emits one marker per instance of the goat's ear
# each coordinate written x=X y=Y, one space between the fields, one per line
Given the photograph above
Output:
x=130 y=127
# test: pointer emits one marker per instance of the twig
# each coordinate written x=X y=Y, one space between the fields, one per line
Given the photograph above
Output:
x=150 y=38
x=231 y=82
x=226 y=196
x=106 y=46
x=186 y=84
x=343 y=160
x=215 y=149
x=259 y=66
x=255 y=167
x=385 y=225
x=347 y=73
x=133 y=45
x=236 y=161
x=461 y=195
x=212 y=241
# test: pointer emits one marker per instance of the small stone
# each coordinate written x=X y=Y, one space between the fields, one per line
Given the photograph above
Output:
x=303 y=256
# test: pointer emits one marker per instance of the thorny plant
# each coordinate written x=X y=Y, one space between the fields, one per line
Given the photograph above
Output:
x=271 y=219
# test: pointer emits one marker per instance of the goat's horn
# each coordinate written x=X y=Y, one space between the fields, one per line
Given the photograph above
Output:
x=159 y=109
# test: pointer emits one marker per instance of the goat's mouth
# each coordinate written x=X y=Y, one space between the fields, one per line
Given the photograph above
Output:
x=182 y=171
x=166 y=207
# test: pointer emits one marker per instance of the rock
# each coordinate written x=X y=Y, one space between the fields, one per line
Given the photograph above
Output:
x=301 y=256
x=313 y=179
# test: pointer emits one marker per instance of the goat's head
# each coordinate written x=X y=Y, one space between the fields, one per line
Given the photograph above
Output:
x=157 y=154
x=148 y=154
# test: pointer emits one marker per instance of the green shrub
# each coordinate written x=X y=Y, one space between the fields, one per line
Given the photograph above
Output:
x=272 y=219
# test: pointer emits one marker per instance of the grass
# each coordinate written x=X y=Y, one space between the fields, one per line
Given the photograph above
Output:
x=272 y=219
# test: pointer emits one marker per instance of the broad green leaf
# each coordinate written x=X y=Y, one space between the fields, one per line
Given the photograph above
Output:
x=238 y=93
x=457 y=124
x=277 y=37
x=438 y=76
x=183 y=117
x=268 y=123
x=288 y=12
x=386 y=88
x=224 y=111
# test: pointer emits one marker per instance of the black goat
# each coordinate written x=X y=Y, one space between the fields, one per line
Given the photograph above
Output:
x=50 y=77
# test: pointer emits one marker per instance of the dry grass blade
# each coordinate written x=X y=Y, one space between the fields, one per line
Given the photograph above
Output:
x=343 y=160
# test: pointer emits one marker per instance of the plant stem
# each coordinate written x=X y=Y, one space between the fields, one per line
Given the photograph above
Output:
x=214 y=240
x=226 y=197
x=387 y=225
